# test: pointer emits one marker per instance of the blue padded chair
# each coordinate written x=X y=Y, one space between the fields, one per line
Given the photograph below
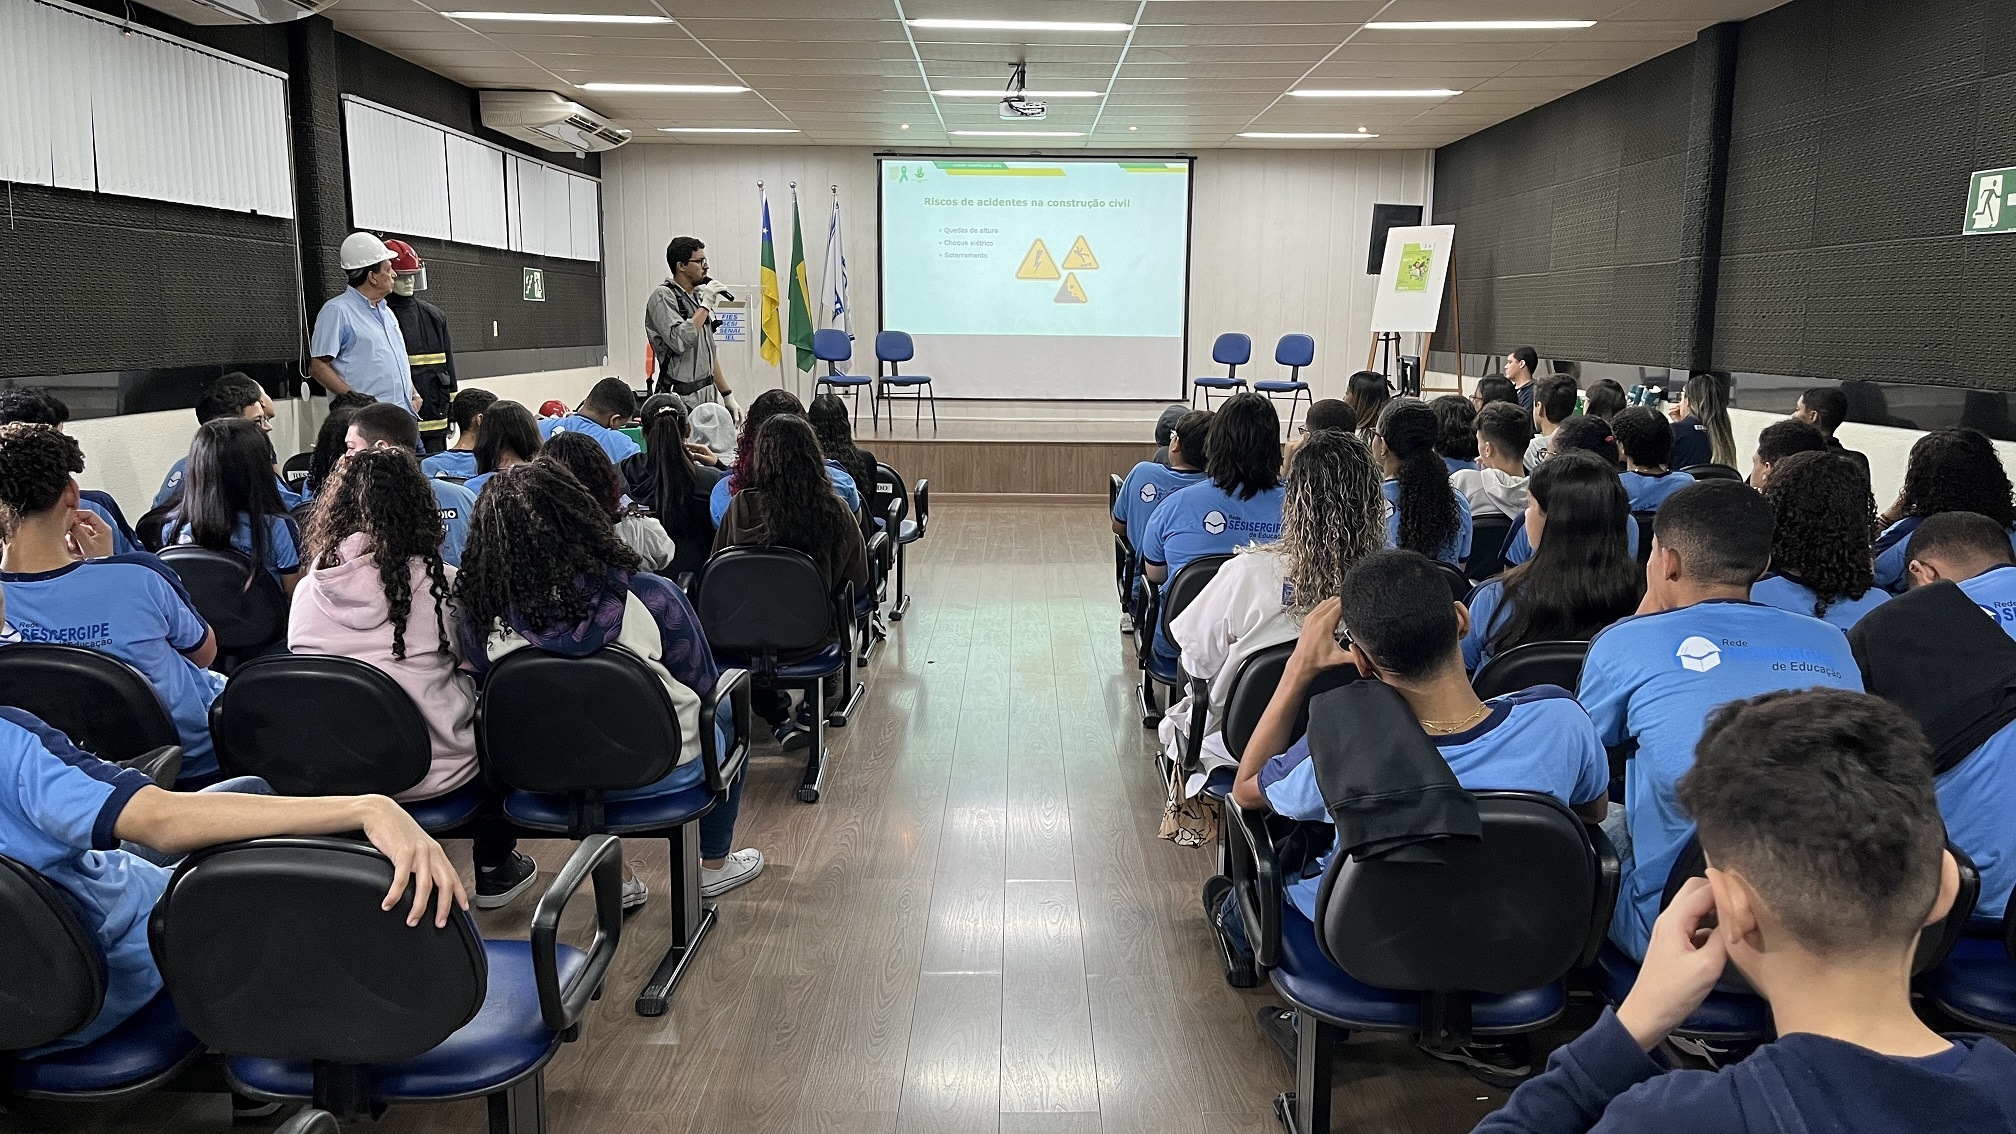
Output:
x=912 y=519
x=311 y=724
x=1974 y=981
x=1475 y=946
x=767 y=608
x=53 y=984
x=833 y=346
x=278 y=954
x=1535 y=663
x=1293 y=352
x=1164 y=603
x=1489 y=533
x=1230 y=350
x=105 y=706
x=895 y=348
x=561 y=733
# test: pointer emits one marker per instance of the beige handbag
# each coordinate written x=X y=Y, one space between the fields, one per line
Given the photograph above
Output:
x=1187 y=820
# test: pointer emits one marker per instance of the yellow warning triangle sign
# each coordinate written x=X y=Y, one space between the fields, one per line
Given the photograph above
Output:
x=1071 y=292
x=1080 y=258
x=1037 y=265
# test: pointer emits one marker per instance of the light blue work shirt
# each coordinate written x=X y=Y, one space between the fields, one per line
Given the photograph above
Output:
x=365 y=347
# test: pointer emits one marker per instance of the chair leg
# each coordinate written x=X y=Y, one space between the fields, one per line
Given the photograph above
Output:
x=519 y=1108
x=814 y=780
x=902 y=595
x=933 y=394
x=691 y=919
x=1306 y=1109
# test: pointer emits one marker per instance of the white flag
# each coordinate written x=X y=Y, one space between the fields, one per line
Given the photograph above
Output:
x=837 y=312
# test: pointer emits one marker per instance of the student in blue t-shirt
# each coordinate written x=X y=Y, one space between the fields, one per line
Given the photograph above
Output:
x=1590 y=435
x=1971 y=551
x=1425 y=513
x=1779 y=440
x=1697 y=643
x=233 y=395
x=1820 y=549
x=1645 y=438
x=466 y=412
x=1149 y=483
x=1950 y=470
x=609 y=406
x=38 y=406
x=64 y=586
x=1817 y=894
x=510 y=437
x=66 y=813
x=229 y=502
x=1405 y=631
x=386 y=426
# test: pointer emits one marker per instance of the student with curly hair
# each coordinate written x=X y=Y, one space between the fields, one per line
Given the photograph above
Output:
x=1820 y=549
x=35 y=404
x=584 y=457
x=1458 y=440
x=1426 y=513
x=1646 y=440
x=769 y=404
x=1950 y=470
x=65 y=586
x=510 y=438
x=1332 y=516
x=378 y=590
x=228 y=501
x=1581 y=577
x=544 y=568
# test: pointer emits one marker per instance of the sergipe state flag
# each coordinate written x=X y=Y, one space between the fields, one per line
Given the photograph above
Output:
x=770 y=340
x=801 y=295
x=835 y=310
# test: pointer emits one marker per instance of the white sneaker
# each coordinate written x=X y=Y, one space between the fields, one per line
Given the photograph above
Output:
x=739 y=867
x=634 y=893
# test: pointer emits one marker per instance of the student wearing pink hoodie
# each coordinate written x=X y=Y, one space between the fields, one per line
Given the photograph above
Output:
x=376 y=590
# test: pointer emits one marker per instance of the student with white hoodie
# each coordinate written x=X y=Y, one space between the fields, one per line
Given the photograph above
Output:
x=1498 y=483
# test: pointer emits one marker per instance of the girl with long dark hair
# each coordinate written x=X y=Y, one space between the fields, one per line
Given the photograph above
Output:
x=329 y=443
x=1820 y=561
x=1426 y=514
x=1367 y=393
x=1950 y=470
x=769 y=404
x=1582 y=576
x=585 y=458
x=544 y=568
x=667 y=479
x=834 y=427
x=230 y=501
x=510 y=436
x=377 y=590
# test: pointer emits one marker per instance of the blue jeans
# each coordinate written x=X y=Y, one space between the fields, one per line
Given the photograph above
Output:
x=1232 y=926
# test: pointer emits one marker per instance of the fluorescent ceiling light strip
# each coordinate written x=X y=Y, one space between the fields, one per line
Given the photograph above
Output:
x=1432 y=93
x=725 y=130
x=1021 y=25
x=1478 y=25
x=1016 y=94
x=558 y=17
x=662 y=88
x=1274 y=134
x=1020 y=133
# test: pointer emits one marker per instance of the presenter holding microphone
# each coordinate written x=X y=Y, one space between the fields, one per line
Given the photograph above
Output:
x=680 y=329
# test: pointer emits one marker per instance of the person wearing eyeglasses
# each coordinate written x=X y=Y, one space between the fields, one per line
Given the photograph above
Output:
x=677 y=325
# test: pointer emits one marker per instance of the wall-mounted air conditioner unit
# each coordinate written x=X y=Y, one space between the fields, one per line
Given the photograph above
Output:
x=239 y=11
x=548 y=121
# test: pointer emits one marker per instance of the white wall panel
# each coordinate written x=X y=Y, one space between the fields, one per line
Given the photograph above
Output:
x=476 y=193
x=398 y=172
x=584 y=204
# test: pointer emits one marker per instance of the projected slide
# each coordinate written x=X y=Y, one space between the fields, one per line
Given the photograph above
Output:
x=1039 y=278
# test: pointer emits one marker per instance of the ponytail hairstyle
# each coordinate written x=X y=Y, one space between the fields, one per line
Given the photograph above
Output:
x=1583 y=576
x=673 y=476
x=1429 y=522
x=1707 y=397
x=383 y=494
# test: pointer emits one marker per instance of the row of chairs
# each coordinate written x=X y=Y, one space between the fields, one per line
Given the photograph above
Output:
x=1233 y=350
x=833 y=346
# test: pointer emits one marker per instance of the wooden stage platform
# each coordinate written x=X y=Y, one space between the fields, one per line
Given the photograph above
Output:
x=1024 y=457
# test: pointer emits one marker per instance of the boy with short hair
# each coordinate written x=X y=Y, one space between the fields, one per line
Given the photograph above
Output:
x=1825 y=408
x=609 y=406
x=466 y=412
x=1971 y=550
x=382 y=425
x=233 y=395
x=1554 y=399
x=1498 y=483
x=1697 y=642
x=37 y=405
x=1646 y=439
x=1826 y=859
x=1149 y=483
x=1778 y=441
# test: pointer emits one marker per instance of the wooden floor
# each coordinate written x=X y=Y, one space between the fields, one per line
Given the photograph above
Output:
x=975 y=931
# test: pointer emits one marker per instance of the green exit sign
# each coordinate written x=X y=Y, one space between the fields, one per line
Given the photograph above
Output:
x=1991 y=202
x=535 y=285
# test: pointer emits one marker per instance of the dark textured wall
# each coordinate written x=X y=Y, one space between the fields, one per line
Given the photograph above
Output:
x=1856 y=125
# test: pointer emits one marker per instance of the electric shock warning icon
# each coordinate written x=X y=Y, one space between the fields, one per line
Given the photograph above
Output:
x=1037 y=264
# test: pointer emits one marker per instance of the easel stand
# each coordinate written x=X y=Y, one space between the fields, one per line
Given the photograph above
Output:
x=1388 y=361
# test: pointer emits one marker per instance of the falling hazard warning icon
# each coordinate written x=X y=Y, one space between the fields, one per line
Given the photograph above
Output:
x=1080 y=258
x=1037 y=264
x=1071 y=292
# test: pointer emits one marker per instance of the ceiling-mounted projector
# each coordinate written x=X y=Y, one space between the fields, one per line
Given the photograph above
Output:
x=1017 y=106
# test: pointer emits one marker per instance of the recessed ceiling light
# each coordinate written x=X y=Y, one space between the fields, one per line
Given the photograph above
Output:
x=1024 y=94
x=1438 y=92
x=1020 y=133
x=1022 y=25
x=724 y=130
x=662 y=88
x=1478 y=25
x=905 y=126
x=1271 y=134
x=559 y=17
x=1133 y=127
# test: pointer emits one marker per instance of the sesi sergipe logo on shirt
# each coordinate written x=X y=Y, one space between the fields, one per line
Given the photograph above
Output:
x=1699 y=654
x=1148 y=492
x=1214 y=522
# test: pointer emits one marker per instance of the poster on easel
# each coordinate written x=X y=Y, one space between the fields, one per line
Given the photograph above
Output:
x=1408 y=296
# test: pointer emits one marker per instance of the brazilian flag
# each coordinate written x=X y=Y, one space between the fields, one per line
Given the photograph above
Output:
x=801 y=295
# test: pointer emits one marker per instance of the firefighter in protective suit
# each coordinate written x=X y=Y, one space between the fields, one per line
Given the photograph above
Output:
x=428 y=351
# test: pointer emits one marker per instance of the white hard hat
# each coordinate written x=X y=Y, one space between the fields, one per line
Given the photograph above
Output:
x=362 y=250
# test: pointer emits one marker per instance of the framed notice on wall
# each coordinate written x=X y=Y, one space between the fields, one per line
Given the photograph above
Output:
x=1408 y=296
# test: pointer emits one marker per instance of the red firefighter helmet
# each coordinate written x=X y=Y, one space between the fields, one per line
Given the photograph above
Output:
x=406 y=263
x=553 y=408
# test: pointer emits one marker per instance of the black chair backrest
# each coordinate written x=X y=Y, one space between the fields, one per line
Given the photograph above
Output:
x=103 y=705
x=1507 y=912
x=298 y=464
x=311 y=724
x=54 y=980
x=1488 y=532
x=1113 y=483
x=1180 y=591
x=603 y=722
x=922 y=496
x=1459 y=583
x=888 y=485
x=1713 y=472
x=1535 y=663
x=244 y=617
x=1644 y=522
x=1253 y=686
x=278 y=949
x=764 y=600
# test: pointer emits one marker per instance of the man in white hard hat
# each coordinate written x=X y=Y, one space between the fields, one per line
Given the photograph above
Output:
x=357 y=344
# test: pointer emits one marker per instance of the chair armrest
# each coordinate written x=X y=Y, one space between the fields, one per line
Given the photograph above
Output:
x=599 y=856
x=878 y=547
x=1147 y=615
x=1193 y=740
x=684 y=581
x=1256 y=878
x=732 y=689
x=922 y=495
x=162 y=765
x=310 y=1121
x=1609 y=878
